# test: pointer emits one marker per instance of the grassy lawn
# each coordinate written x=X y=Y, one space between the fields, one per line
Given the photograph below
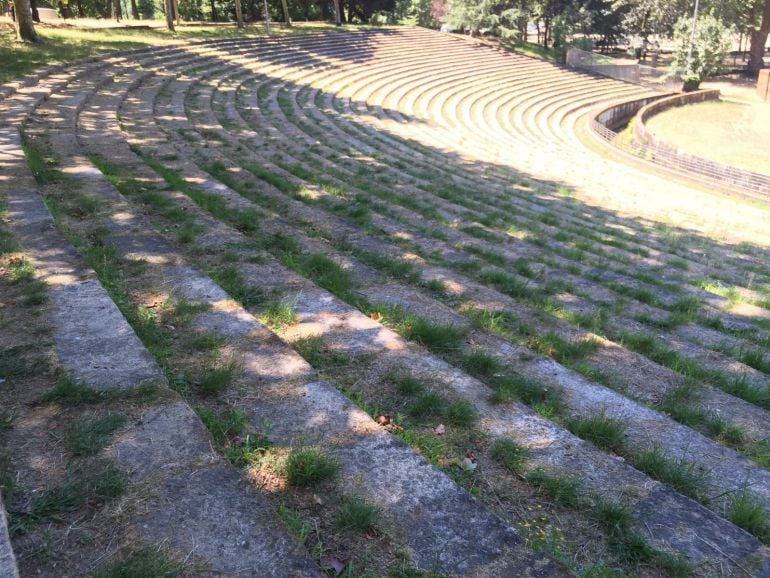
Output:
x=62 y=44
x=704 y=130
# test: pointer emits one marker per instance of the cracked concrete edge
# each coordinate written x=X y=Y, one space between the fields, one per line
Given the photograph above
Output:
x=8 y=568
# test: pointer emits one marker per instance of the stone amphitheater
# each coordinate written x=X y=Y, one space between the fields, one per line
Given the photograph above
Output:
x=393 y=248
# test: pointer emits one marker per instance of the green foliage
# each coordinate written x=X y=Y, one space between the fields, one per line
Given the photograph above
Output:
x=711 y=46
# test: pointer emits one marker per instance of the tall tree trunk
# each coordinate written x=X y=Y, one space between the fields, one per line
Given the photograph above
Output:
x=169 y=7
x=286 y=16
x=134 y=10
x=35 y=13
x=117 y=11
x=214 y=11
x=759 y=40
x=338 y=12
x=25 y=27
x=81 y=12
x=238 y=14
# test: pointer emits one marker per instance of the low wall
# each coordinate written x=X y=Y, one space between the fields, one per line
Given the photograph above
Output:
x=643 y=136
x=585 y=60
x=618 y=116
x=605 y=122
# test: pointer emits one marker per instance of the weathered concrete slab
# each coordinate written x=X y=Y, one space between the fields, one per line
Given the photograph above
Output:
x=95 y=342
x=8 y=568
x=165 y=438
x=210 y=514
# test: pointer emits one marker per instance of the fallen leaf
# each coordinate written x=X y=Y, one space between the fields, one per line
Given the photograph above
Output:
x=317 y=499
x=440 y=429
x=384 y=419
x=468 y=465
x=331 y=563
x=376 y=316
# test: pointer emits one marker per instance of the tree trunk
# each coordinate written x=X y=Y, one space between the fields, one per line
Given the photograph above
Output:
x=286 y=16
x=759 y=40
x=35 y=13
x=169 y=7
x=238 y=14
x=117 y=11
x=25 y=27
x=81 y=12
x=338 y=12
x=134 y=10
x=214 y=17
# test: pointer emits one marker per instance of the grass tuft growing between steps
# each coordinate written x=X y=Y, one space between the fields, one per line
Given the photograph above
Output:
x=745 y=511
x=86 y=438
x=358 y=514
x=142 y=563
x=310 y=466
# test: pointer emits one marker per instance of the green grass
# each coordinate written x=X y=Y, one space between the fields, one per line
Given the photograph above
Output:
x=217 y=378
x=556 y=347
x=405 y=383
x=62 y=45
x=510 y=455
x=428 y=405
x=140 y=564
x=309 y=466
x=480 y=364
x=460 y=414
x=748 y=513
x=544 y=399
x=224 y=424
x=682 y=476
x=314 y=350
x=20 y=271
x=280 y=314
x=70 y=392
x=563 y=490
x=357 y=514
x=231 y=280
x=86 y=438
x=437 y=337
x=91 y=484
x=13 y=363
x=602 y=431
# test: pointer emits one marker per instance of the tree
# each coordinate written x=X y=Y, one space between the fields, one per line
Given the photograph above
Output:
x=25 y=27
x=759 y=40
x=704 y=58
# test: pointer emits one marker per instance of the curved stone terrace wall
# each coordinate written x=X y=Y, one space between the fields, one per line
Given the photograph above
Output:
x=645 y=146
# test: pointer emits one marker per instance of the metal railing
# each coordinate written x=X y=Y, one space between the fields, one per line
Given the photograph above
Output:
x=726 y=177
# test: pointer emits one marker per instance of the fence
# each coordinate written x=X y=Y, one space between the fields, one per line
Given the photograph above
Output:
x=731 y=179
